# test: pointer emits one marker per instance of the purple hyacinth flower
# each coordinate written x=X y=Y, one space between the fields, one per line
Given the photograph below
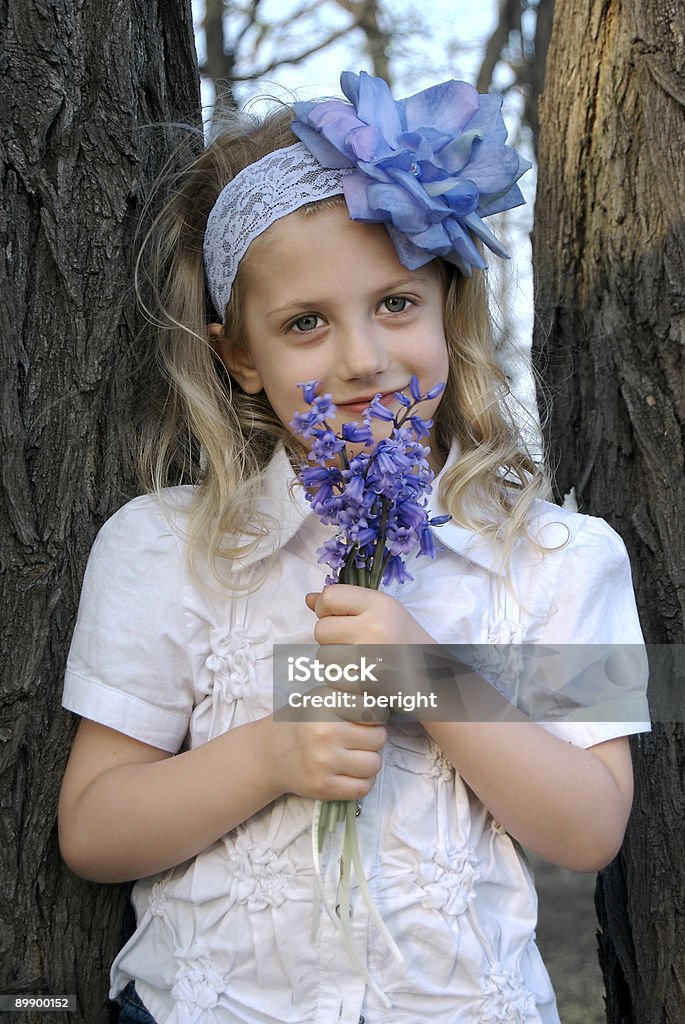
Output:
x=395 y=571
x=433 y=392
x=375 y=498
x=326 y=445
x=379 y=411
x=414 y=389
x=309 y=390
x=357 y=434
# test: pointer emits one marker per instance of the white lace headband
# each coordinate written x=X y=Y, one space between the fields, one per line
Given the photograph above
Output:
x=260 y=194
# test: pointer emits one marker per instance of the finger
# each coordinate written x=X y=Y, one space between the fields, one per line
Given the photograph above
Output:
x=352 y=704
x=368 y=736
x=343 y=599
x=336 y=629
x=339 y=665
x=310 y=600
x=363 y=713
x=361 y=764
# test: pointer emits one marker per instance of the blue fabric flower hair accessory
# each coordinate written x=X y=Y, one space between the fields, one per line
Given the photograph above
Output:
x=430 y=167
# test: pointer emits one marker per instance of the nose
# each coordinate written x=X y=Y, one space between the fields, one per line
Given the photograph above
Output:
x=362 y=351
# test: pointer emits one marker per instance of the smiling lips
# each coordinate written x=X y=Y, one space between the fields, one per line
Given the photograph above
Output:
x=361 y=404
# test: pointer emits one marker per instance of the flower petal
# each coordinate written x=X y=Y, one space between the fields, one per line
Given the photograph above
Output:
x=498 y=202
x=457 y=153
x=463 y=243
x=332 y=118
x=349 y=84
x=375 y=105
x=482 y=231
x=366 y=143
x=410 y=256
x=448 y=107
x=326 y=153
x=433 y=392
x=356 y=187
x=380 y=411
x=461 y=196
x=492 y=167
x=488 y=118
x=394 y=204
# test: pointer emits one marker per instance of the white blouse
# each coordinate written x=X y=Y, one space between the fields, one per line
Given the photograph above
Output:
x=229 y=937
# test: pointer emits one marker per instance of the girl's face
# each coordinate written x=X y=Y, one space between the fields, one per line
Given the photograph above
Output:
x=326 y=298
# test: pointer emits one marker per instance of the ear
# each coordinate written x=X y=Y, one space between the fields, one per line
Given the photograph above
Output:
x=236 y=358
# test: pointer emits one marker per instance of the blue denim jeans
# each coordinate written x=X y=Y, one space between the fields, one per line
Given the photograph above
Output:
x=133 y=1010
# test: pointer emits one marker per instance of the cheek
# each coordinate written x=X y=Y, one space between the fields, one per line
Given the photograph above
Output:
x=282 y=390
x=432 y=356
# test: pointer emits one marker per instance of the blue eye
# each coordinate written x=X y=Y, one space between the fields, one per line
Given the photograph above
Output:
x=306 y=323
x=396 y=303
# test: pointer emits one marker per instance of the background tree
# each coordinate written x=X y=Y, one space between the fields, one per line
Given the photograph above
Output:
x=609 y=249
x=243 y=44
x=519 y=41
x=80 y=84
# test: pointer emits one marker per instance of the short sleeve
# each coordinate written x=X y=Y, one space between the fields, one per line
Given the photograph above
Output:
x=597 y=662
x=128 y=666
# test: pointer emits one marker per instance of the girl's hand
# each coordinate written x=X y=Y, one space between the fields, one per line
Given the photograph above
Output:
x=355 y=615
x=326 y=760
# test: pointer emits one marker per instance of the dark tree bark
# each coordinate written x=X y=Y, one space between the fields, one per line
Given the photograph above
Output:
x=610 y=281
x=80 y=83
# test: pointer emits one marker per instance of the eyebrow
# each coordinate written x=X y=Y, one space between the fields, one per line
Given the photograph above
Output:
x=402 y=284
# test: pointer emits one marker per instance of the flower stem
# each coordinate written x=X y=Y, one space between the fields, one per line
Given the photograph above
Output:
x=379 y=552
x=352 y=849
x=348 y=857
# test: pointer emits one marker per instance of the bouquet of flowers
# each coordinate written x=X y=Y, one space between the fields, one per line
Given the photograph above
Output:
x=376 y=495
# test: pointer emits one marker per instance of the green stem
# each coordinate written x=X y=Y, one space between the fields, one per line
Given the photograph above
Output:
x=316 y=854
x=345 y=917
x=378 y=556
x=352 y=846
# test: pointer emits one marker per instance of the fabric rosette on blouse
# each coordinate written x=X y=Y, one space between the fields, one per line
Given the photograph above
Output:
x=429 y=167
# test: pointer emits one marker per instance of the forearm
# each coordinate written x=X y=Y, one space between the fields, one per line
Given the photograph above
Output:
x=561 y=801
x=136 y=819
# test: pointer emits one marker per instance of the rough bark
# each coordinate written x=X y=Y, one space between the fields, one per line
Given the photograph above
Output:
x=80 y=83
x=610 y=293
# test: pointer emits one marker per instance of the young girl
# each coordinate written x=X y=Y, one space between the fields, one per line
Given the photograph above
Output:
x=343 y=248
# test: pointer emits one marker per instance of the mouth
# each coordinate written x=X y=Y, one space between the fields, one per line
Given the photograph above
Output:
x=362 y=404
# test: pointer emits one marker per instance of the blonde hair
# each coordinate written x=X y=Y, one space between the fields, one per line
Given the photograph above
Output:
x=199 y=426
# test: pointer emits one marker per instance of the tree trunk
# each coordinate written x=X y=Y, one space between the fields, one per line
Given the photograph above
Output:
x=220 y=63
x=377 y=41
x=80 y=84
x=610 y=293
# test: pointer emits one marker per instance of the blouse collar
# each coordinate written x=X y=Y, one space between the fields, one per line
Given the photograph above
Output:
x=284 y=502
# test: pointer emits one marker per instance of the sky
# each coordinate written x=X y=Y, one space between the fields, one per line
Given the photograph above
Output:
x=444 y=39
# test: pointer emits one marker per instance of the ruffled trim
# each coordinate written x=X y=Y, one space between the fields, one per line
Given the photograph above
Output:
x=507 y=1000
x=260 y=875
x=198 y=984
x=448 y=880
